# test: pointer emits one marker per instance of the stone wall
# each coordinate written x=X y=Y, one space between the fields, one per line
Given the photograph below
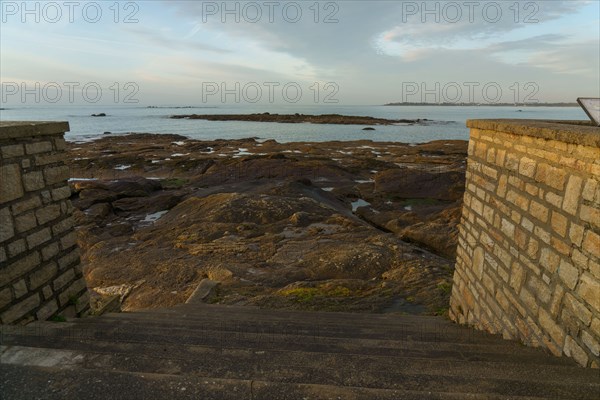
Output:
x=528 y=259
x=40 y=272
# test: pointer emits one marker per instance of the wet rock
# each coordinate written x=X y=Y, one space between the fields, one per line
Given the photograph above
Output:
x=118 y=290
x=151 y=204
x=80 y=218
x=304 y=181
x=300 y=218
x=118 y=229
x=219 y=274
x=133 y=187
x=402 y=221
x=439 y=234
x=78 y=186
x=89 y=197
x=93 y=192
x=100 y=304
x=98 y=211
x=275 y=228
x=204 y=292
x=420 y=184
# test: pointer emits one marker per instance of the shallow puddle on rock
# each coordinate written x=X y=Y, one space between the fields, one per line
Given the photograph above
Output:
x=152 y=218
x=359 y=203
x=403 y=306
x=122 y=167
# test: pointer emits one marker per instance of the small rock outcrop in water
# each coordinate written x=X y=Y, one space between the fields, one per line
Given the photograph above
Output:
x=299 y=118
x=99 y=115
x=368 y=129
x=272 y=223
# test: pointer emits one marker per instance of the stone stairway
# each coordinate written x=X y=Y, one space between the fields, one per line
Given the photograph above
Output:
x=201 y=351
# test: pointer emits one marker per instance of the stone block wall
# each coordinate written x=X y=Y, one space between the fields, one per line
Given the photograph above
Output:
x=528 y=259
x=40 y=272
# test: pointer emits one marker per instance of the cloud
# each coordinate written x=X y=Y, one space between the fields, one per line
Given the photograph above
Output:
x=424 y=32
x=375 y=45
x=372 y=48
x=369 y=29
x=579 y=59
x=161 y=39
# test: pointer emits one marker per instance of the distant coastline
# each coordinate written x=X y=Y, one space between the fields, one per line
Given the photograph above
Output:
x=486 y=104
x=301 y=118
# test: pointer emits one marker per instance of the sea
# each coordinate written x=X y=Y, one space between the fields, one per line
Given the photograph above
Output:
x=444 y=122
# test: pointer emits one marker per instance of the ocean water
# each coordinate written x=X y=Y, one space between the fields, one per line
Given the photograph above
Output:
x=447 y=122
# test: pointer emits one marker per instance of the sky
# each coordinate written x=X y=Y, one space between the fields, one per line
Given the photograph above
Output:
x=303 y=52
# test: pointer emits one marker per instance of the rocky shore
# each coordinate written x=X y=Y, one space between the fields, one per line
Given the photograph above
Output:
x=301 y=118
x=352 y=226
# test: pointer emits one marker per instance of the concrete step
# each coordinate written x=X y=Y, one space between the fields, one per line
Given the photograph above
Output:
x=373 y=321
x=215 y=351
x=435 y=333
x=135 y=333
x=21 y=383
x=240 y=336
x=418 y=362
x=136 y=337
x=345 y=323
x=289 y=367
x=284 y=314
x=424 y=329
